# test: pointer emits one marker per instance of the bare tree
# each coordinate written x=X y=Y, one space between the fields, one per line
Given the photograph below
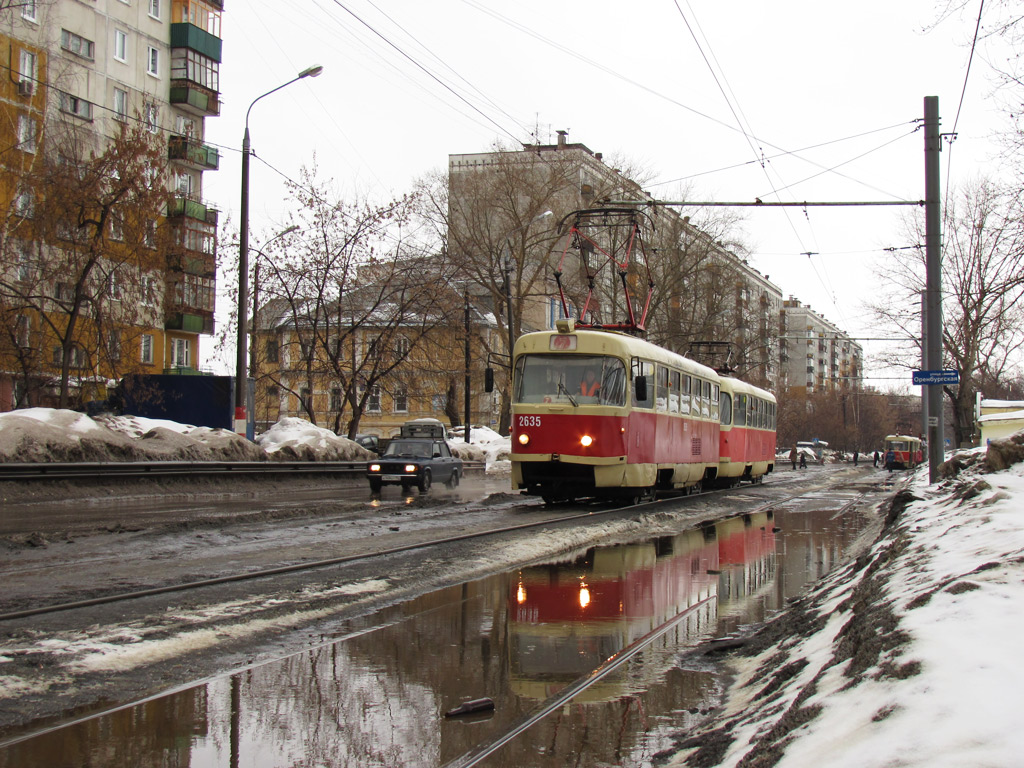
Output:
x=81 y=262
x=349 y=300
x=983 y=283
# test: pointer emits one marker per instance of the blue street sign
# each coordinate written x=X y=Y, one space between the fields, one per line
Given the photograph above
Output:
x=936 y=377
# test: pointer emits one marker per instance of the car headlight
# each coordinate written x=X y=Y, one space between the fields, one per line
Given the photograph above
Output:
x=375 y=467
x=411 y=468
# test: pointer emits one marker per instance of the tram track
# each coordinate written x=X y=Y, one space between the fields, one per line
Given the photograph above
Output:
x=588 y=513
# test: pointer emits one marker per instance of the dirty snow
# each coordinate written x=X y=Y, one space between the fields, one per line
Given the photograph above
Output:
x=53 y=435
x=949 y=694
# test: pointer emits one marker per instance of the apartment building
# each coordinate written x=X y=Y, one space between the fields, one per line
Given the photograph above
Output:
x=816 y=355
x=703 y=291
x=126 y=285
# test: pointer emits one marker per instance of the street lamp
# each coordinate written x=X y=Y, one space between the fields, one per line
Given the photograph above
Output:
x=243 y=262
x=508 y=284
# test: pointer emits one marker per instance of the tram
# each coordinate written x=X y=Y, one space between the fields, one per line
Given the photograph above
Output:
x=599 y=413
x=902 y=452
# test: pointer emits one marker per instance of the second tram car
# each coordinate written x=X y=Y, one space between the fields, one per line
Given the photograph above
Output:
x=600 y=413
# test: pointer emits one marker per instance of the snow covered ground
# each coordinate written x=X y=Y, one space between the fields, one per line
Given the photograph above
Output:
x=909 y=656
x=48 y=434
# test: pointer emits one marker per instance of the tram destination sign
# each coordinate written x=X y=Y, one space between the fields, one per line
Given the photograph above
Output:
x=936 y=377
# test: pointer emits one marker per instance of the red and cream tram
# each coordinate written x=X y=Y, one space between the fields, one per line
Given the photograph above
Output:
x=601 y=413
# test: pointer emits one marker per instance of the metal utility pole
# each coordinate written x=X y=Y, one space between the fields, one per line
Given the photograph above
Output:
x=466 y=401
x=932 y=341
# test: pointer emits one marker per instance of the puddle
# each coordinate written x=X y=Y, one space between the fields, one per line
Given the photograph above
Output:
x=377 y=697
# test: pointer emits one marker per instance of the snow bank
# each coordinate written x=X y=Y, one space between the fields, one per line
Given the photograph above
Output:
x=293 y=439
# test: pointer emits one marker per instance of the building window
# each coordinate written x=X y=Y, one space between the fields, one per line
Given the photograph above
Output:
x=120 y=45
x=26 y=265
x=401 y=348
x=153 y=61
x=154 y=9
x=373 y=401
x=305 y=400
x=77 y=44
x=152 y=117
x=120 y=104
x=22 y=331
x=24 y=204
x=114 y=344
x=114 y=285
x=27 y=67
x=336 y=402
x=149 y=235
x=180 y=353
x=26 y=134
x=438 y=402
x=401 y=399
x=196 y=292
x=146 y=349
x=117 y=226
x=28 y=10
x=149 y=284
x=272 y=351
x=75 y=106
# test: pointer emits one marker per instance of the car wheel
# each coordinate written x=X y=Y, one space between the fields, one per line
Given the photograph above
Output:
x=424 y=484
x=376 y=484
x=453 y=482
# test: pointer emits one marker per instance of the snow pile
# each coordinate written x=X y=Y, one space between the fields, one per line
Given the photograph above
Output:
x=293 y=439
x=485 y=445
x=908 y=656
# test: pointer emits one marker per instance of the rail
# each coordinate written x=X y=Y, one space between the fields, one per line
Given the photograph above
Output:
x=105 y=470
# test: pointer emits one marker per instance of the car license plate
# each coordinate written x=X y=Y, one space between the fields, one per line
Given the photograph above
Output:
x=390 y=477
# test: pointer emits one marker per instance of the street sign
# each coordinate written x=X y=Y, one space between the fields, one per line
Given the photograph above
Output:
x=935 y=377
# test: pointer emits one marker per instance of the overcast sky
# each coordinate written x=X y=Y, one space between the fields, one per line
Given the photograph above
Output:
x=829 y=98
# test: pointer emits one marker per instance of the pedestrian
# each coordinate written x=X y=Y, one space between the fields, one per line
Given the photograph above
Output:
x=803 y=460
x=792 y=456
x=856 y=454
x=876 y=459
x=890 y=460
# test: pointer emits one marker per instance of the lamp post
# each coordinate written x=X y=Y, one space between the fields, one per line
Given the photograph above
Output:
x=243 y=263
x=508 y=265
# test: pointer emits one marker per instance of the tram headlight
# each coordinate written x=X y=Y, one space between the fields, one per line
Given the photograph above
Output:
x=586 y=441
x=523 y=438
x=584 y=595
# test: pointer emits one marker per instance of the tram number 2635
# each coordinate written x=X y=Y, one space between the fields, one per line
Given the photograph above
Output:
x=528 y=421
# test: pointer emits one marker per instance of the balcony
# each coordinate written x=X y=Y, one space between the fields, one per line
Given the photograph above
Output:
x=185 y=35
x=183 y=205
x=193 y=153
x=194 y=98
x=189 y=322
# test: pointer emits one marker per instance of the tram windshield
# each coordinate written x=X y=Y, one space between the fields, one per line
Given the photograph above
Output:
x=575 y=379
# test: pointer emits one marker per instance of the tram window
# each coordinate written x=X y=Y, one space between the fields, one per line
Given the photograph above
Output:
x=558 y=378
x=684 y=395
x=706 y=411
x=643 y=371
x=662 y=395
x=673 y=392
x=725 y=411
x=716 y=396
x=741 y=410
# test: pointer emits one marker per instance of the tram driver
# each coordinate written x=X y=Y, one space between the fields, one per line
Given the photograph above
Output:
x=590 y=386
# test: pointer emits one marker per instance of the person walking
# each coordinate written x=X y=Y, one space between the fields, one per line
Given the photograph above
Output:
x=803 y=460
x=792 y=456
x=876 y=459
x=856 y=455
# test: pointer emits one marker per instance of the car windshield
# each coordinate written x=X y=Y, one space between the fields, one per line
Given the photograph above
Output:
x=416 y=448
x=576 y=379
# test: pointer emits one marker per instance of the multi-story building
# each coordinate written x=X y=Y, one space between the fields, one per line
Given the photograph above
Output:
x=703 y=293
x=85 y=78
x=816 y=355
